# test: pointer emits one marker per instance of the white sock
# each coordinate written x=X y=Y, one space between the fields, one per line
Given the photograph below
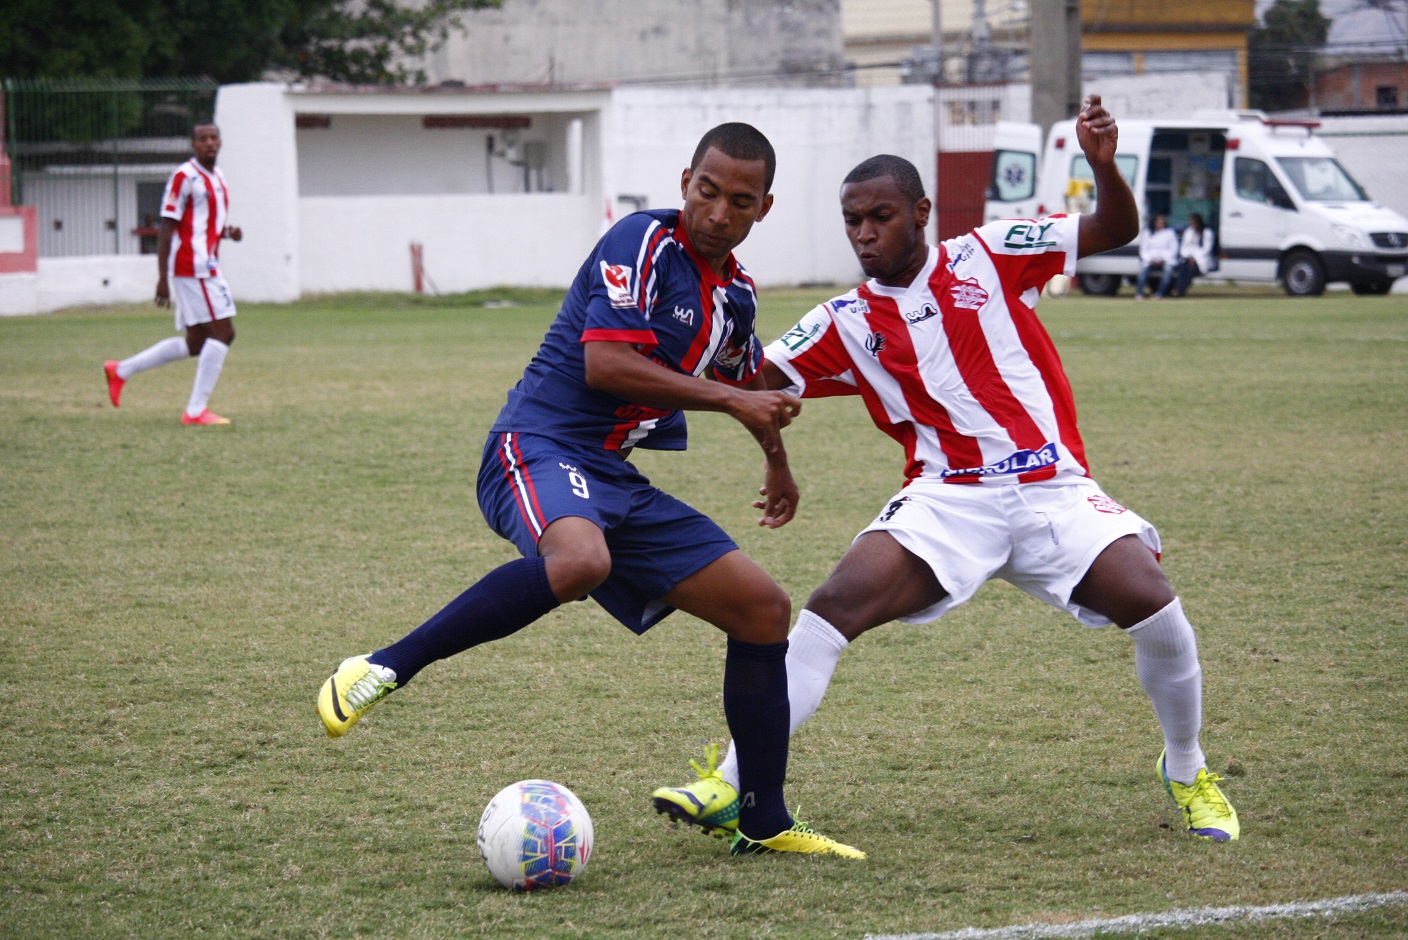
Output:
x=813 y=647
x=168 y=350
x=1166 y=658
x=212 y=360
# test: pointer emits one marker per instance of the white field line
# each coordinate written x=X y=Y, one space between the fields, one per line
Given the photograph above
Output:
x=1137 y=923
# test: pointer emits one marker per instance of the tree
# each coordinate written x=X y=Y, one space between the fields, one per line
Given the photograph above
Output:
x=357 y=41
x=1281 y=53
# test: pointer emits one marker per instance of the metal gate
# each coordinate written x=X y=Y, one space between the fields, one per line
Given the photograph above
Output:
x=90 y=154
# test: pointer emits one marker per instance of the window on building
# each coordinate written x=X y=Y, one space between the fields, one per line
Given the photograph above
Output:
x=1386 y=97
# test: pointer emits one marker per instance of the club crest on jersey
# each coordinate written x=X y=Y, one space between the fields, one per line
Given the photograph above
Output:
x=922 y=314
x=730 y=357
x=1105 y=504
x=1025 y=236
x=967 y=295
x=875 y=342
x=1020 y=461
x=853 y=305
x=685 y=315
x=617 y=278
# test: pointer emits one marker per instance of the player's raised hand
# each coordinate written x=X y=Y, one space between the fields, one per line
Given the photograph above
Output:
x=1097 y=131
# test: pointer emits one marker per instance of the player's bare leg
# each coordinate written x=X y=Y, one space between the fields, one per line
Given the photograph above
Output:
x=1127 y=585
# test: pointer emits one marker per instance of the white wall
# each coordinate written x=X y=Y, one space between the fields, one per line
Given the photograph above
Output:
x=819 y=135
x=472 y=241
x=1372 y=150
x=259 y=159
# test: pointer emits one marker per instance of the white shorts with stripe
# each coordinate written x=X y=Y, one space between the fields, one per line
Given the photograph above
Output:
x=200 y=300
x=1039 y=537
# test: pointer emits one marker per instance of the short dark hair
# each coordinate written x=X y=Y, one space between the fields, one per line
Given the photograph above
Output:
x=199 y=124
x=741 y=142
x=899 y=169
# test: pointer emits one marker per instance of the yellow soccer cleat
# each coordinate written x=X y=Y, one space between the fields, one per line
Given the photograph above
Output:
x=1206 y=812
x=800 y=838
x=354 y=687
x=711 y=802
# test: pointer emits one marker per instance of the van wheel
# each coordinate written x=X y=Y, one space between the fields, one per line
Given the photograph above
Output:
x=1100 y=285
x=1302 y=274
x=1382 y=286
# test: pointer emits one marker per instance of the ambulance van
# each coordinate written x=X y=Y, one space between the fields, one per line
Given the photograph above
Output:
x=1280 y=205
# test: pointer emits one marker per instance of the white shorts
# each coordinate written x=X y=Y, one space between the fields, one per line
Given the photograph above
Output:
x=1040 y=537
x=201 y=300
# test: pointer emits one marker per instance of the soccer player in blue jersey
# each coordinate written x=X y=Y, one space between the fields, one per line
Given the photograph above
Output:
x=659 y=320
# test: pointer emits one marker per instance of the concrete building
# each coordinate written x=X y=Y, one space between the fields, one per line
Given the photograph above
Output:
x=658 y=42
x=342 y=189
x=1360 y=86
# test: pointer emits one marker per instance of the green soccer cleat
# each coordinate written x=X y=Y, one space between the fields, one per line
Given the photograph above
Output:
x=1205 y=810
x=352 y=689
x=800 y=838
x=711 y=802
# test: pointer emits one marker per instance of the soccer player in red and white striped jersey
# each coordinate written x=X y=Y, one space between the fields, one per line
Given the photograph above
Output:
x=194 y=218
x=944 y=348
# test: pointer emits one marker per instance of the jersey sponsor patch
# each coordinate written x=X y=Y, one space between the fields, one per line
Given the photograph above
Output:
x=1025 y=235
x=1020 y=461
x=923 y=313
x=617 y=278
x=799 y=336
x=967 y=295
x=1105 y=504
x=850 y=304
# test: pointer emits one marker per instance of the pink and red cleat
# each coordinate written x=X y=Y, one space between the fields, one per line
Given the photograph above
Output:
x=115 y=382
x=205 y=417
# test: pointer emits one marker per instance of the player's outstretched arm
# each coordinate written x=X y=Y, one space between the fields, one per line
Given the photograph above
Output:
x=1115 y=221
x=619 y=369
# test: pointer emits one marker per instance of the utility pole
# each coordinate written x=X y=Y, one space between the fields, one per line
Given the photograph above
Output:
x=1054 y=52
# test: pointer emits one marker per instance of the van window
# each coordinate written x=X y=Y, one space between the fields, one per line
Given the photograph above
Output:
x=1013 y=175
x=1322 y=179
x=1256 y=183
x=1128 y=165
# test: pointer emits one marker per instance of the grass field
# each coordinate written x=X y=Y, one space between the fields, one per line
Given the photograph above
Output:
x=172 y=597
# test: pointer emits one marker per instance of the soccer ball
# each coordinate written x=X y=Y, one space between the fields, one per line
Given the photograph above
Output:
x=535 y=834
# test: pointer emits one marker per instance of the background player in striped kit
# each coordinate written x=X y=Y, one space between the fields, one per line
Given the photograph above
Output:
x=195 y=211
x=658 y=308
x=944 y=346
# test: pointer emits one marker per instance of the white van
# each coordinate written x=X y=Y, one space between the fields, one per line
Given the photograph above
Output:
x=1280 y=205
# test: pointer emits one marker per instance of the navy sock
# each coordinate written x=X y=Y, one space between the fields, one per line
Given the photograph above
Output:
x=759 y=717
x=502 y=602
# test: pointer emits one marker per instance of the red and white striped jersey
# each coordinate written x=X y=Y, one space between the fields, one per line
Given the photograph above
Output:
x=199 y=201
x=956 y=367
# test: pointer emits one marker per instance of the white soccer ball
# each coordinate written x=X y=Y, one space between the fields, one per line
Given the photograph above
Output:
x=535 y=834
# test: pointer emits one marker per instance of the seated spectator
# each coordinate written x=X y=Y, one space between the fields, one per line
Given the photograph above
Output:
x=1158 y=252
x=1195 y=254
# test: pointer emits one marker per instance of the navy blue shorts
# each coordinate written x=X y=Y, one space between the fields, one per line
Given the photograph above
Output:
x=527 y=482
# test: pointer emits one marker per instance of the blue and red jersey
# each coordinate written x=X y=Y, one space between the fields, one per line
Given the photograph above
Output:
x=643 y=284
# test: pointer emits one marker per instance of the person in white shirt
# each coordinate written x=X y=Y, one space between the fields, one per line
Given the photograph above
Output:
x=1194 y=254
x=1158 y=252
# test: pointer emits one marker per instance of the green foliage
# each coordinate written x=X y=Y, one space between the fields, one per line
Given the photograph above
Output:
x=358 y=41
x=1281 y=53
x=173 y=597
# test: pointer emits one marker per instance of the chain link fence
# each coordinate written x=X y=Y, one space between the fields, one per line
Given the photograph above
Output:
x=92 y=155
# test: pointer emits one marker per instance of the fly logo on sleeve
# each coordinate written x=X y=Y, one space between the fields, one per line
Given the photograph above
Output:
x=797 y=337
x=1025 y=236
x=617 y=278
